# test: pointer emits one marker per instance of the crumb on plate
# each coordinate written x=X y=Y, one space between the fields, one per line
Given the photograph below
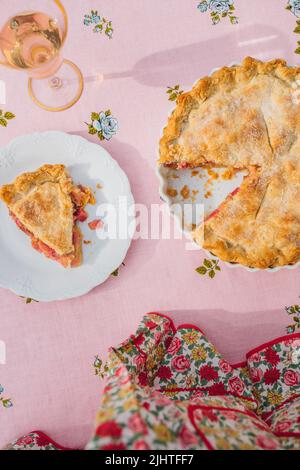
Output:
x=96 y=224
x=92 y=200
x=172 y=192
x=185 y=192
x=213 y=174
x=228 y=174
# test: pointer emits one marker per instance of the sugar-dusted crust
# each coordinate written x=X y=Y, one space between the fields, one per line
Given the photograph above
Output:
x=227 y=118
x=42 y=202
x=246 y=230
x=246 y=116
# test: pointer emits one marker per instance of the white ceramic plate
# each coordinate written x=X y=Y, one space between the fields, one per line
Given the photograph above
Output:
x=27 y=272
x=210 y=195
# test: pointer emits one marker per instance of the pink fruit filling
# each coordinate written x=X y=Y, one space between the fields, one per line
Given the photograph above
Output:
x=72 y=259
x=80 y=197
x=96 y=224
x=216 y=211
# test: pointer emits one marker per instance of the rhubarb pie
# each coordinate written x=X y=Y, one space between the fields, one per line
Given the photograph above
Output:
x=245 y=117
x=46 y=205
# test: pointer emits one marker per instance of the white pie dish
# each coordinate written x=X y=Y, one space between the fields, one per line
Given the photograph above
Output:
x=219 y=189
x=30 y=274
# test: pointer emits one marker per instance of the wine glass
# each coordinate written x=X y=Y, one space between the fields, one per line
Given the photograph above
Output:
x=31 y=40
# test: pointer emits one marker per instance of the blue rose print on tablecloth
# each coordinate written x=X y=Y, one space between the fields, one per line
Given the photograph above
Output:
x=294 y=312
x=5 y=402
x=101 y=24
x=294 y=6
x=106 y=124
x=219 y=9
x=103 y=124
x=101 y=368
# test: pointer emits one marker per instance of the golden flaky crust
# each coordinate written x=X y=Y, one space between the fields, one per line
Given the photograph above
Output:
x=42 y=202
x=248 y=117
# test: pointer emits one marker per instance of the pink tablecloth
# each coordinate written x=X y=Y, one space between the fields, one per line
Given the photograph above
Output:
x=51 y=347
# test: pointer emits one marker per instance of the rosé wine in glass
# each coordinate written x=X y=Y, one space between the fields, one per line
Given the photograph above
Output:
x=32 y=41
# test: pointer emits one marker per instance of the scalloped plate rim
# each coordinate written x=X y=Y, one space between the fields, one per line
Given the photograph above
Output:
x=99 y=278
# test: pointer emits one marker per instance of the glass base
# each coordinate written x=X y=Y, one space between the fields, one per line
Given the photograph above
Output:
x=60 y=91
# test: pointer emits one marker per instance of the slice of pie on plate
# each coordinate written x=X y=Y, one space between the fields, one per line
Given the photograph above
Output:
x=245 y=117
x=46 y=205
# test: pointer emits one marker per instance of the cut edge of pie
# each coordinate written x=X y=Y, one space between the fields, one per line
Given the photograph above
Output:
x=244 y=117
x=46 y=205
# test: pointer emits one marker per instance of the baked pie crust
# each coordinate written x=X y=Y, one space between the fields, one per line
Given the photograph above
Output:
x=245 y=117
x=45 y=204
